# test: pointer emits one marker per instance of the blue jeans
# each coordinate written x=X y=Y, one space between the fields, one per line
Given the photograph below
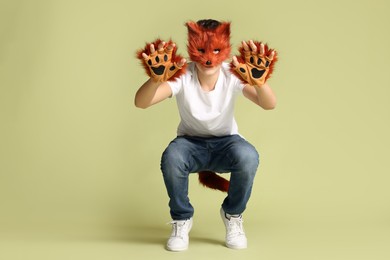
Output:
x=185 y=155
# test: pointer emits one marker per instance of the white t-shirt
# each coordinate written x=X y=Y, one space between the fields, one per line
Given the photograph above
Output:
x=203 y=113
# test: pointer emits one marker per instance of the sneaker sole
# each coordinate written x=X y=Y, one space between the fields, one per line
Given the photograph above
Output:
x=176 y=249
x=236 y=247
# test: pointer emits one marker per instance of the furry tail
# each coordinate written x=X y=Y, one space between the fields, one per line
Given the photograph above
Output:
x=213 y=181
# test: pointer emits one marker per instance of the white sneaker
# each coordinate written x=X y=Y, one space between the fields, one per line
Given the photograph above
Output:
x=179 y=239
x=235 y=235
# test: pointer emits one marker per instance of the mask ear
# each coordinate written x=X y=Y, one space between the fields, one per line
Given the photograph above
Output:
x=193 y=29
x=224 y=29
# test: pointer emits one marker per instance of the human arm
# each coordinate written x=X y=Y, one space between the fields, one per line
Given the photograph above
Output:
x=152 y=92
x=263 y=97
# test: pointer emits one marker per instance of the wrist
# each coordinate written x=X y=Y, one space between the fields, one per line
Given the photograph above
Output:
x=259 y=88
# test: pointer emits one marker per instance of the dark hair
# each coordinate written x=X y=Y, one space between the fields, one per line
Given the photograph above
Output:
x=209 y=24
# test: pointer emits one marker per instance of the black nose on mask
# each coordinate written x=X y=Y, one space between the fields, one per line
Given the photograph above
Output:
x=208 y=62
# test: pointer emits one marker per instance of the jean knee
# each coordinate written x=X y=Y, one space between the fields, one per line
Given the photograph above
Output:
x=173 y=162
x=248 y=159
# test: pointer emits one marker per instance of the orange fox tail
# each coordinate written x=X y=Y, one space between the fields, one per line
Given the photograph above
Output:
x=213 y=181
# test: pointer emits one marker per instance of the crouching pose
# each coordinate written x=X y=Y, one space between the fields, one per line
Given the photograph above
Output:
x=208 y=140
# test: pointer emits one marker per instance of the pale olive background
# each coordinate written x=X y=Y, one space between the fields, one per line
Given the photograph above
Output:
x=79 y=164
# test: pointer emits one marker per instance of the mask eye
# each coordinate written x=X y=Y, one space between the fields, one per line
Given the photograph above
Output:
x=201 y=50
x=216 y=51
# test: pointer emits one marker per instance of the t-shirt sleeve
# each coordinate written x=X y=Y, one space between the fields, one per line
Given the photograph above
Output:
x=238 y=85
x=234 y=81
x=175 y=86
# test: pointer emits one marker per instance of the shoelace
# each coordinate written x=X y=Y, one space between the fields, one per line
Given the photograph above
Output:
x=178 y=228
x=235 y=227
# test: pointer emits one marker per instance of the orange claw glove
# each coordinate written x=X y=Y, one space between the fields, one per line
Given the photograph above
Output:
x=162 y=64
x=256 y=63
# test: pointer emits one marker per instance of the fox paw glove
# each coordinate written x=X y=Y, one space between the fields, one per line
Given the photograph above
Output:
x=162 y=64
x=254 y=68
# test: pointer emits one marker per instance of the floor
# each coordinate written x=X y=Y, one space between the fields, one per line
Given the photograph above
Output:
x=271 y=241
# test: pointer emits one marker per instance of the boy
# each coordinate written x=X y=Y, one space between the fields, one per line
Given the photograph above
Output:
x=207 y=136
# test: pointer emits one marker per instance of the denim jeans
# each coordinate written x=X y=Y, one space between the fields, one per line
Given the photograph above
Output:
x=185 y=155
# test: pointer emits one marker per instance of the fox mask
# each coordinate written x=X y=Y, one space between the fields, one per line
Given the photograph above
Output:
x=208 y=42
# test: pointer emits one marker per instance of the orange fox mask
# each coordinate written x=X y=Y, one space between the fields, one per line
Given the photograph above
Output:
x=208 y=42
